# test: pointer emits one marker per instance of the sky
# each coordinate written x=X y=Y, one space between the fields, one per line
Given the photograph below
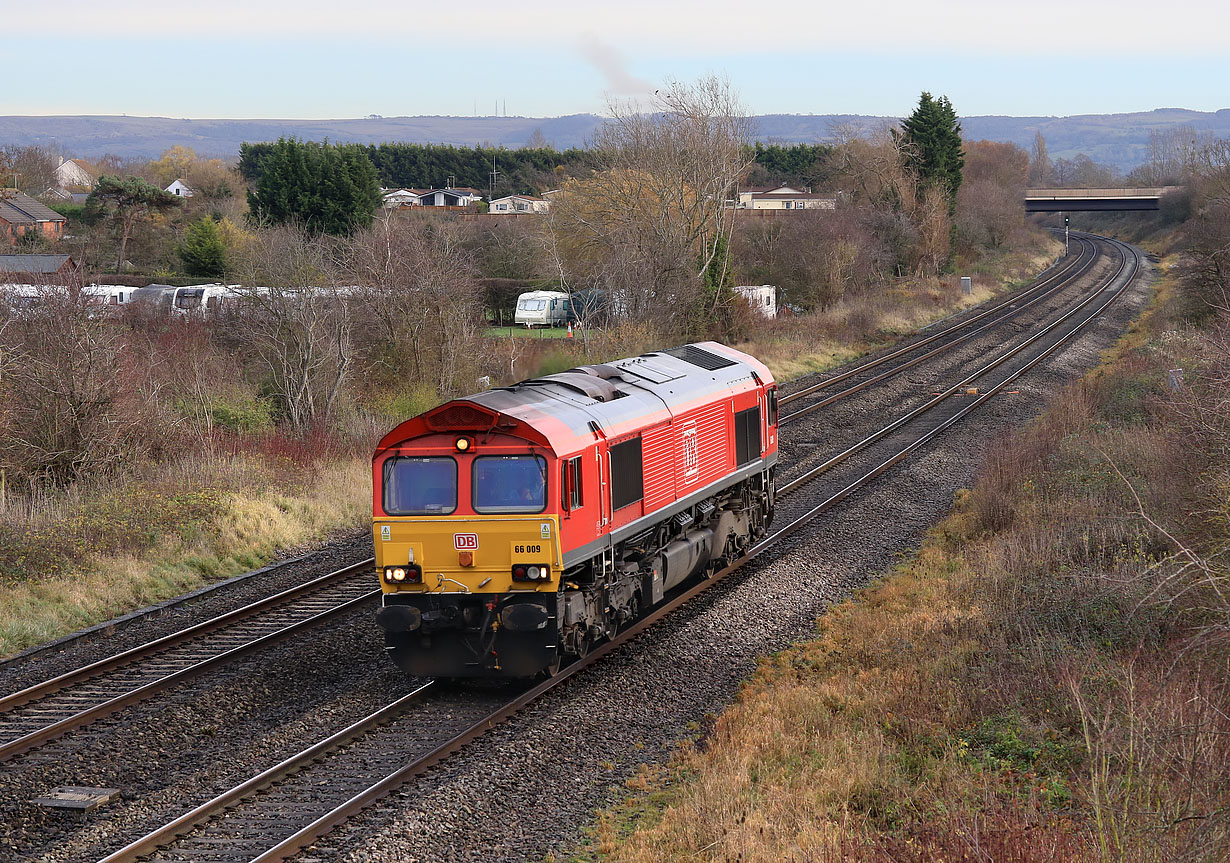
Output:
x=545 y=58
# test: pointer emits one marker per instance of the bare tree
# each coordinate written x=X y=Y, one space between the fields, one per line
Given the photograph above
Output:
x=1039 y=163
x=990 y=204
x=421 y=293
x=297 y=322
x=1173 y=154
x=654 y=219
x=74 y=405
x=29 y=169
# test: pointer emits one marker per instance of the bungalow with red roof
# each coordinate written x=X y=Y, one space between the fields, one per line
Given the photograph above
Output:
x=20 y=215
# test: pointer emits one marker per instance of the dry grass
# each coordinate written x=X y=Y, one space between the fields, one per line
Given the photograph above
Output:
x=255 y=506
x=1046 y=680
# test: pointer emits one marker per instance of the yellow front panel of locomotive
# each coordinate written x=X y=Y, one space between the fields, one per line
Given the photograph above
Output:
x=490 y=545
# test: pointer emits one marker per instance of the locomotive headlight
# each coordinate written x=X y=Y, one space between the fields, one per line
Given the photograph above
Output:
x=534 y=572
x=463 y=444
x=394 y=573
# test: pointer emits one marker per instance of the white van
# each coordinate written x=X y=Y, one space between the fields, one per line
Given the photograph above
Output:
x=542 y=309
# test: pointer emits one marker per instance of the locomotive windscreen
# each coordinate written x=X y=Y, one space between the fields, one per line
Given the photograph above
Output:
x=510 y=483
x=420 y=486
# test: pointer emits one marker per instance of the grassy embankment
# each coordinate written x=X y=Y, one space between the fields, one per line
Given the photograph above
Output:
x=1045 y=680
x=109 y=547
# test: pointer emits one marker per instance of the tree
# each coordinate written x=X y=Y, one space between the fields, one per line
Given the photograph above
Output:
x=127 y=203
x=173 y=164
x=422 y=299
x=204 y=249
x=74 y=404
x=932 y=139
x=1173 y=154
x=652 y=221
x=327 y=188
x=1039 y=163
x=298 y=327
x=990 y=205
x=29 y=169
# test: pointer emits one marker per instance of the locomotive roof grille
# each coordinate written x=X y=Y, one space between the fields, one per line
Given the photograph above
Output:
x=699 y=357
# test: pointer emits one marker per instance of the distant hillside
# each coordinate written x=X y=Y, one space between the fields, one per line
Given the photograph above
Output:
x=1115 y=139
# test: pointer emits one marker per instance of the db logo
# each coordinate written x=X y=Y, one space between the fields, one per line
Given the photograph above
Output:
x=690 y=445
x=465 y=541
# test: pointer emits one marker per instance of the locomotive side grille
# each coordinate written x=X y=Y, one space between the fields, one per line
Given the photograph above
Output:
x=659 y=446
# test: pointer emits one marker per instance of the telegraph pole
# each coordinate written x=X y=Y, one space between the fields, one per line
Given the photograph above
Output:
x=495 y=173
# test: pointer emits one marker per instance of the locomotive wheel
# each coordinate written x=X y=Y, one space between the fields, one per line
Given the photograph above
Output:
x=553 y=667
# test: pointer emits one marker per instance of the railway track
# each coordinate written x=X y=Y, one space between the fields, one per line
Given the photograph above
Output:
x=279 y=812
x=42 y=712
x=946 y=339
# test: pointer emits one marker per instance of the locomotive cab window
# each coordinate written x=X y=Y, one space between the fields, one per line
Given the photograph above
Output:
x=772 y=404
x=747 y=435
x=509 y=483
x=570 y=484
x=420 y=486
x=627 y=474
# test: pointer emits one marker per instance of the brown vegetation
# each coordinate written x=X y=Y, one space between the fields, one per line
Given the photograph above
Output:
x=1046 y=680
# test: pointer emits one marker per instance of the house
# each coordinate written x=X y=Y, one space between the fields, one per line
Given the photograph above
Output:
x=762 y=298
x=519 y=204
x=20 y=215
x=36 y=269
x=180 y=188
x=76 y=175
x=450 y=197
x=395 y=198
x=783 y=198
x=792 y=201
x=745 y=195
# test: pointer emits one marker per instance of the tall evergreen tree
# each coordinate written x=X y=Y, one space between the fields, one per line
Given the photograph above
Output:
x=328 y=188
x=932 y=135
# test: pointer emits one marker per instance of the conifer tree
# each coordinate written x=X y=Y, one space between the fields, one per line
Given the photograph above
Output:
x=328 y=188
x=203 y=251
x=932 y=135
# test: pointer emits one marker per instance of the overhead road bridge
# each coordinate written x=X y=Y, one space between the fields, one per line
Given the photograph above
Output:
x=1073 y=200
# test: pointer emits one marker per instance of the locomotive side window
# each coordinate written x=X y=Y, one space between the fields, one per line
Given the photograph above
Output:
x=772 y=401
x=509 y=483
x=747 y=435
x=627 y=473
x=570 y=486
x=420 y=486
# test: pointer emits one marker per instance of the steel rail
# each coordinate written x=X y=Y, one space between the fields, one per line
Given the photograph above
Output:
x=154 y=648
x=1065 y=277
x=291 y=845
x=94 y=670
x=946 y=394
x=150 y=843
x=939 y=349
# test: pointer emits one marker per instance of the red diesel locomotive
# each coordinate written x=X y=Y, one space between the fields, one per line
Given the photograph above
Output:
x=516 y=527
